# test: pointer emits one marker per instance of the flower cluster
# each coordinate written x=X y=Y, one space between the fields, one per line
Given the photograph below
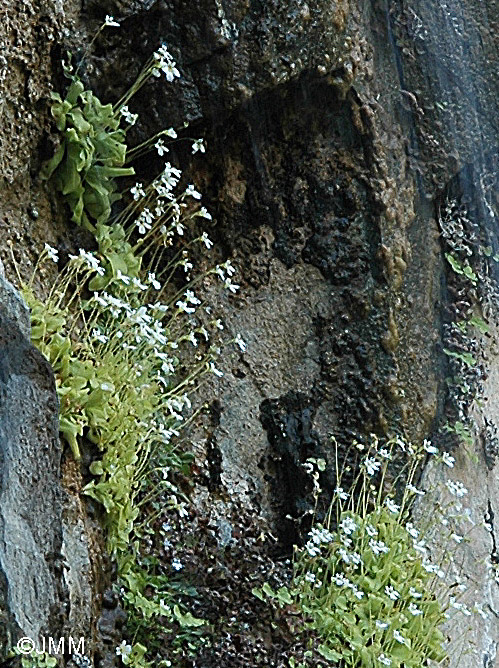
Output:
x=367 y=580
x=129 y=338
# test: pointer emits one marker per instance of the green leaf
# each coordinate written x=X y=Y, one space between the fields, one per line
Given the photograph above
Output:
x=49 y=167
x=283 y=596
x=96 y=468
x=187 y=619
x=454 y=263
x=329 y=654
x=267 y=589
x=466 y=358
x=75 y=89
x=258 y=593
x=71 y=430
x=480 y=324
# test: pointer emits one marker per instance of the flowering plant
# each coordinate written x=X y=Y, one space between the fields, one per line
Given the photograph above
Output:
x=127 y=335
x=364 y=584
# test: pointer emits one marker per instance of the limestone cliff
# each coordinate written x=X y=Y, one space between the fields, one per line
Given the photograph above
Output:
x=336 y=133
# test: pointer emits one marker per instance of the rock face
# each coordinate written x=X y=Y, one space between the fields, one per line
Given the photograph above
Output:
x=336 y=133
x=31 y=598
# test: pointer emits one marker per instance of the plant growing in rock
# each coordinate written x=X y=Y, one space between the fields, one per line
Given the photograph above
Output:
x=125 y=332
x=364 y=582
x=35 y=659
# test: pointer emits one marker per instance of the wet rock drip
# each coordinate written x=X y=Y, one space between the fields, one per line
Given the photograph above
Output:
x=288 y=423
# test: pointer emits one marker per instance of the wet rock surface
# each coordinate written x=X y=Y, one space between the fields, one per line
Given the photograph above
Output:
x=335 y=131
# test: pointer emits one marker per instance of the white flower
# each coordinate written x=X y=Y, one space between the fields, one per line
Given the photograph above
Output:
x=348 y=526
x=216 y=371
x=139 y=284
x=171 y=133
x=177 y=565
x=313 y=550
x=478 y=608
x=110 y=22
x=400 y=443
x=382 y=625
x=350 y=557
x=53 y=253
x=123 y=650
x=344 y=555
x=96 y=333
x=153 y=281
x=170 y=71
x=384 y=660
x=448 y=460
x=181 y=509
x=183 y=307
x=457 y=538
x=399 y=637
x=414 y=593
x=384 y=453
x=392 y=507
x=321 y=535
x=191 y=297
x=241 y=343
x=429 y=567
x=431 y=449
x=128 y=116
x=310 y=577
x=358 y=594
x=341 y=493
x=160 y=147
x=90 y=259
x=340 y=580
x=203 y=212
x=457 y=488
x=392 y=593
x=377 y=546
x=415 y=490
x=414 y=610
x=190 y=191
x=411 y=530
x=138 y=191
x=372 y=465
x=206 y=240
x=143 y=225
x=232 y=287
x=198 y=146
x=420 y=546
x=371 y=531
x=122 y=277
x=229 y=268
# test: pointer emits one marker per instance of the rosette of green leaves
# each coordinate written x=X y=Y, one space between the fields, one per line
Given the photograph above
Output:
x=116 y=254
x=91 y=155
x=85 y=388
x=347 y=623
